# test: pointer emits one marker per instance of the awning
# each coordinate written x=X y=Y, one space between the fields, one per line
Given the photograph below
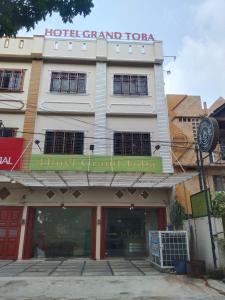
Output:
x=60 y=179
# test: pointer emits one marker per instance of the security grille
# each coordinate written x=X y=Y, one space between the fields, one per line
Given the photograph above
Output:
x=166 y=247
x=64 y=142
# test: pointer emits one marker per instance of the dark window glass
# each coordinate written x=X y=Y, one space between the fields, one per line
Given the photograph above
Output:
x=222 y=148
x=130 y=85
x=49 y=142
x=64 y=142
x=219 y=183
x=68 y=82
x=7 y=132
x=11 y=79
x=132 y=143
x=61 y=232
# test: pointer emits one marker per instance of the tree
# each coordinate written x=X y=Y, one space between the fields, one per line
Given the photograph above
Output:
x=16 y=14
x=177 y=214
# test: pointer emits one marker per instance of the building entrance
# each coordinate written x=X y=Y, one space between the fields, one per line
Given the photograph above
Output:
x=10 y=221
x=62 y=232
x=127 y=231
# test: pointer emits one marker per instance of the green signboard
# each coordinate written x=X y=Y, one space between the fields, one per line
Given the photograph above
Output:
x=198 y=203
x=95 y=163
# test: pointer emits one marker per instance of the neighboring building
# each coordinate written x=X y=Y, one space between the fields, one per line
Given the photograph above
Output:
x=95 y=174
x=185 y=113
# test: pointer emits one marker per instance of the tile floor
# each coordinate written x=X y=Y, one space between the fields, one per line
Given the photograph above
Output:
x=76 y=267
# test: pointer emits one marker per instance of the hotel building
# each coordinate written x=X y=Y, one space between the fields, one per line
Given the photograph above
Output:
x=86 y=167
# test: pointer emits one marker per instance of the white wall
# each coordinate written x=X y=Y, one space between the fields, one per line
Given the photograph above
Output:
x=202 y=242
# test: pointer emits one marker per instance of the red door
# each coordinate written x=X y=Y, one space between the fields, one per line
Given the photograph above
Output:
x=10 y=222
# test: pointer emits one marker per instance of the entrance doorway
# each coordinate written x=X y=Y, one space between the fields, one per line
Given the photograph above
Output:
x=10 y=222
x=126 y=231
x=61 y=232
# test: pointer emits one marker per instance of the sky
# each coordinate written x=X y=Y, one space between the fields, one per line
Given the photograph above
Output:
x=191 y=30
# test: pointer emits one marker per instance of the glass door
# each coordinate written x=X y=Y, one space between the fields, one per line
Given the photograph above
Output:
x=127 y=231
x=62 y=232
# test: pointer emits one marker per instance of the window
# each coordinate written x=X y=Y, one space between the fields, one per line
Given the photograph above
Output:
x=7 y=132
x=219 y=183
x=222 y=148
x=21 y=44
x=64 y=142
x=64 y=82
x=6 y=44
x=130 y=85
x=132 y=143
x=11 y=80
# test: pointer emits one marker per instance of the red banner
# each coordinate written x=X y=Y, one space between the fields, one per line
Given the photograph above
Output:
x=10 y=152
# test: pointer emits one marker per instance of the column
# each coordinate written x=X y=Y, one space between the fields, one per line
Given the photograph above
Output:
x=100 y=109
x=98 y=233
x=162 y=119
x=22 y=233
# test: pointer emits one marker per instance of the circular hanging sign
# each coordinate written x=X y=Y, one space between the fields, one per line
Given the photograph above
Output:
x=208 y=134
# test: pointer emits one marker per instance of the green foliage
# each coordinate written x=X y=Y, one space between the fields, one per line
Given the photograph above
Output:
x=218 y=204
x=16 y=14
x=177 y=214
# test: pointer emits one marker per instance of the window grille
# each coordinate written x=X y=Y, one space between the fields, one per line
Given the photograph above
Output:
x=130 y=85
x=132 y=143
x=64 y=142
x=11 y=79
x=7 y=132
x=168 y=246
x=68 y=82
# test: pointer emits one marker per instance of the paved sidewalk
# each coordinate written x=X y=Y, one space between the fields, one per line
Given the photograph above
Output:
x=76 y=267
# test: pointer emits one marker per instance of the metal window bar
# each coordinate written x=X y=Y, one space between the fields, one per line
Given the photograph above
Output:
x=168 y=246
x=64 y=142
x=132 y=143
x=11 y=79
x=68 y=82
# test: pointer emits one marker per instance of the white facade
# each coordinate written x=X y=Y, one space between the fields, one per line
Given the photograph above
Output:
x=98 y=112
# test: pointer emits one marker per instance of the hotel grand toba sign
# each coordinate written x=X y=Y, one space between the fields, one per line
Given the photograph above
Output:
x=95 y=163
x=91 y=34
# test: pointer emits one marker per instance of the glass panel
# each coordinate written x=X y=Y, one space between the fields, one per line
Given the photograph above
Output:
x=126 y=231
x=133 y=85
x=79 y=143
x=64 y=82
x=55 y=82
x=69 y=142
x=125 y=85
x=136 y=145
x=6 y=79
x=49 y=142
x=117 y=90
x=62 y=232
x=146 y=144
x=81 y=83
x=142 y=85
x=59 y=142
x=73 y=82
x=127 y=146
x=2 y=232
x=118 y=143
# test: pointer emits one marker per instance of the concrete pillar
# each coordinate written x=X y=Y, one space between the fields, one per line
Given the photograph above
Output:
x=100 y=109
x=162 y=119
x=98 y=233
x=22 y=233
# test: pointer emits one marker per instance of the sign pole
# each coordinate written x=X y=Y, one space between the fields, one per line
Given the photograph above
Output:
x=207 y=199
